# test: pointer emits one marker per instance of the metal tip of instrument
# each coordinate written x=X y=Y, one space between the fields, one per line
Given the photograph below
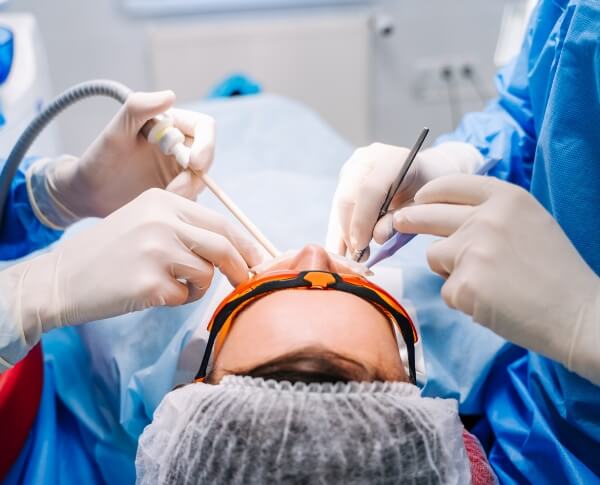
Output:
x=358 y=255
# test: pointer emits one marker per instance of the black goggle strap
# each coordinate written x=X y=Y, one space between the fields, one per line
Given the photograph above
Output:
x=232 y=305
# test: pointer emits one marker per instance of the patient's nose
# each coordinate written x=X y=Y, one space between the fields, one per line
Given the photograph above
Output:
x=313 y=257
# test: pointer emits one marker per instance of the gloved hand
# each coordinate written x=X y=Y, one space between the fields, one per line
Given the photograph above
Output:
x=121 y=164
x=509 y=265
x=366 y=178
x=160 y=249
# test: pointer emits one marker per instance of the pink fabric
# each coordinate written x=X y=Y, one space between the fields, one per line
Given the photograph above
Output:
x=481 y=471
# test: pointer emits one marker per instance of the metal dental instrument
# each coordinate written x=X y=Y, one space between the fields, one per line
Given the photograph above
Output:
x=412 y=155
x=399 y=240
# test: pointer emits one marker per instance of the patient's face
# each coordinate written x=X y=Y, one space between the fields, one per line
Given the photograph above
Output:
x=316 y=333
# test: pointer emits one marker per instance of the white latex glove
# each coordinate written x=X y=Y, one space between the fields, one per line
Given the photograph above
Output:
x=509 y=265
x=121 y=164
x=366 y=178
x=160 y=249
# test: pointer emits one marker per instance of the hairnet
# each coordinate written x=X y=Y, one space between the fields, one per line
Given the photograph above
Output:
x=247 y=430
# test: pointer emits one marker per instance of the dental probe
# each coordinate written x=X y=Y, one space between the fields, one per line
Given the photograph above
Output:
x=161 y=131
x=412 y=155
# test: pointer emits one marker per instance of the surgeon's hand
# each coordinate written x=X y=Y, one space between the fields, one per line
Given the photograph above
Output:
x=366 y=178
x=120 y=164
x=509 y=265
x=160 y=249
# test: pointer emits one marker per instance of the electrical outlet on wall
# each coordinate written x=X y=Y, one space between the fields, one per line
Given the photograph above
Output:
x=436 y=80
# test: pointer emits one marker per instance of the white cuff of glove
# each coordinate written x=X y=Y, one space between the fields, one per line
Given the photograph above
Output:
x=456 y=156
x=583 y=357
x=41 y=190
x=18 y=333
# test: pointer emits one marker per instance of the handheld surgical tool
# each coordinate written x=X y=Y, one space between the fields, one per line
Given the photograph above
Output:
x=161 y=131
x=410 y=158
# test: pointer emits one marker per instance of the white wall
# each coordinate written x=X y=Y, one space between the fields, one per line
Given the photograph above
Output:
x=429 y=33
x=90 y=39
x=321 y=59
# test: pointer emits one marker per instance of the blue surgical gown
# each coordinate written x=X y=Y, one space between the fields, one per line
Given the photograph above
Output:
x=57 y=431
x=542 y=422
x=67 y=425
x=20 y=231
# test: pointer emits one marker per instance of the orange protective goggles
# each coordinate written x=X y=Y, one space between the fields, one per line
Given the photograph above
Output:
x=260 y=286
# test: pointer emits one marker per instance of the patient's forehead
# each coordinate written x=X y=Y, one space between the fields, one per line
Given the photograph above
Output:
x=312 y=315
x=289 y=320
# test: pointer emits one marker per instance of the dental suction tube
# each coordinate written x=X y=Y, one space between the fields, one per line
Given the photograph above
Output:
x=88 y=89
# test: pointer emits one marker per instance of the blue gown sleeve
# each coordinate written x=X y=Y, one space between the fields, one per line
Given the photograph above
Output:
x=20 y=231
x=505 y=130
